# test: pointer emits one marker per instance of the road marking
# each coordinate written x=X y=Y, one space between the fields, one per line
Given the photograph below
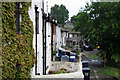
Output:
x=94 y=60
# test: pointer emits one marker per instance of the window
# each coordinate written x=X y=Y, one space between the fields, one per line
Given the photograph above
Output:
x=73 y=35
x=54 y=29
x=17 y=16
x=37 y=16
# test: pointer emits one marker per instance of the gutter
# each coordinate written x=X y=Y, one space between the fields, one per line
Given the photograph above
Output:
x=52 y=42
x=44 y=43
x=36 y=12
x=45 y=47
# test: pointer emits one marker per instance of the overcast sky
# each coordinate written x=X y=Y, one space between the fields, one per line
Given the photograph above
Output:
x=73 y=6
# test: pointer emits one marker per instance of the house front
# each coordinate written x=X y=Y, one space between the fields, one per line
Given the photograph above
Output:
x=58 y=37
x=42 y=38
x=74 y=38
x=28 y=31
x=40 y=28
x=64 y=36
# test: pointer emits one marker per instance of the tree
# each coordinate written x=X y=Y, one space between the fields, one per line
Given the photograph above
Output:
x=100 y=22
x=59 y=13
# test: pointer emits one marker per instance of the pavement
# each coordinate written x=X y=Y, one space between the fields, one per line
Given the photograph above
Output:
x=65 y=75
x=73 y=76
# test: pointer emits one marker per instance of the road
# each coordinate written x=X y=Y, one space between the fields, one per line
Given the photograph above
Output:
x=94 y=65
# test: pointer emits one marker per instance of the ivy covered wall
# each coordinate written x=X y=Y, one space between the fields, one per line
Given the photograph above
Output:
x=17 y=49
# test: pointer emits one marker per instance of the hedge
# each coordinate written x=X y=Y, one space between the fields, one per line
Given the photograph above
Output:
x=18 y=55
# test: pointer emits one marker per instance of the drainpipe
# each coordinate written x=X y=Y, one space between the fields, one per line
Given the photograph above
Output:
x=43 y=42
x=52 y=42
x=36 y=12
x=45 y=48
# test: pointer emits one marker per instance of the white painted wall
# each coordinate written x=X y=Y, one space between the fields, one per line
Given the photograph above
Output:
x=64 y=38
x=58 y=37
x=48 y=47
x=31 y=12
x=70 y=35
x=39 y=39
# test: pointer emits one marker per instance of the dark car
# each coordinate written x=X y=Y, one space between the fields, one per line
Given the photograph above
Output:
x=88 y=48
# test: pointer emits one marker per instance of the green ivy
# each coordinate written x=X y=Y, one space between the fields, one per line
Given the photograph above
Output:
x=18 y=56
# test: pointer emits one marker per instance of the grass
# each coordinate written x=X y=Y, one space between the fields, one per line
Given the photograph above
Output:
x=83 y=55
x=91 y=56
x=95 y=55
x=91 y=71
x=110 y=71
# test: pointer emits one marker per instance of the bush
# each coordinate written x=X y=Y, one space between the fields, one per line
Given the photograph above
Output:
x=54 y=52
x=77 y=53
x=60 y=72
x=77 y=46
x=70 y=46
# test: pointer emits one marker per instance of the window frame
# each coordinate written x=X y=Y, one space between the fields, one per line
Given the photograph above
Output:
x=17 y=16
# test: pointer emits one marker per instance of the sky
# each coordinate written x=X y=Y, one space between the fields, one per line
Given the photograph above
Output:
x=73 y=6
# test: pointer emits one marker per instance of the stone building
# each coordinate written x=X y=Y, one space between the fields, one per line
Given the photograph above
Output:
x=64 y=36
x=74 y=38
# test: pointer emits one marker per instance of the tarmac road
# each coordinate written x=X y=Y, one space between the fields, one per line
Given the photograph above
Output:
x=94 y=66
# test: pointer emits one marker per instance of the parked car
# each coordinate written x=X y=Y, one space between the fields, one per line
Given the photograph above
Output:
x=81 y=49
x=88 y=48
x=71 y=55
x=72 y=59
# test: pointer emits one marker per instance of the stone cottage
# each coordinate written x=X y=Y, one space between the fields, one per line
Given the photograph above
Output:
x=64 y=36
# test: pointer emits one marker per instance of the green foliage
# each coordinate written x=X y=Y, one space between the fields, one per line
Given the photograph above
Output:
x=99 y=54
x=77 y=53
x=0 y=45
x=100 y=23
x=67 y=27
x=83 y=54
x=69 y=46
x=60 y=72
x=54 y=52
x=110 y=71
x=93 y=57
x=77 y=46
x=18 y=56
x=59 y=13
